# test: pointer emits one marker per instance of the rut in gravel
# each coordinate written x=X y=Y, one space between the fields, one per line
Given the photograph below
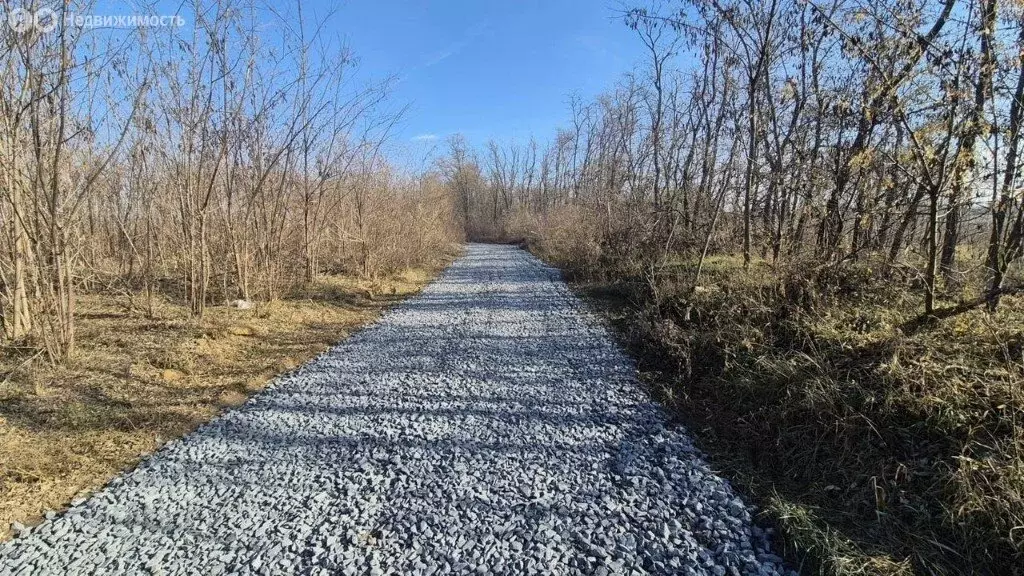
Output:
x=488 y=425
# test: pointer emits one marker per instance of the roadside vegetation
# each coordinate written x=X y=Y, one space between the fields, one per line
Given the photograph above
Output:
x=185 y=212
x=804 y=219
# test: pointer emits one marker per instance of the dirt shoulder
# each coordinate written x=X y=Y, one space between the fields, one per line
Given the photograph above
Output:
x=138 y=381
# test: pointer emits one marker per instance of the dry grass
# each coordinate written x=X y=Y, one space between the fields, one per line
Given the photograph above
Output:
x=137 y=382
x=874 y=447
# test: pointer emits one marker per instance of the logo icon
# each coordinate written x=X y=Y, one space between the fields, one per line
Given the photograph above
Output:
x=45 y=20
x=20 y=20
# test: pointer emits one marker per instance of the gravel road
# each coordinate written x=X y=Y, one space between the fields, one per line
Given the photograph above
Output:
x=488 y=425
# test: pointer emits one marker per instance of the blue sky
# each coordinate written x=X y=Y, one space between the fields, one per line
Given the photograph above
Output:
x=501 y=69
x=486 y=68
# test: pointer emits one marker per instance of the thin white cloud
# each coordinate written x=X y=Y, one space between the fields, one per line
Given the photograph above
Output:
x=443 y=55
x=424 y=137
x=455 y=47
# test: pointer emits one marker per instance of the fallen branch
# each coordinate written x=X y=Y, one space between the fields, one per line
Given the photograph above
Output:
x=912 y=326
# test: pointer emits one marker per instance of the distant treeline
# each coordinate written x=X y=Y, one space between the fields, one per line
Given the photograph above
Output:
x=787 y=131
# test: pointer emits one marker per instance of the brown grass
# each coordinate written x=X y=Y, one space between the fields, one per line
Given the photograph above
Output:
x=874 y=448
x=137 y=382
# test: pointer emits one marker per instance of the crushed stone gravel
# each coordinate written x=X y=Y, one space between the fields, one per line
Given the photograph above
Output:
x=489 y=425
